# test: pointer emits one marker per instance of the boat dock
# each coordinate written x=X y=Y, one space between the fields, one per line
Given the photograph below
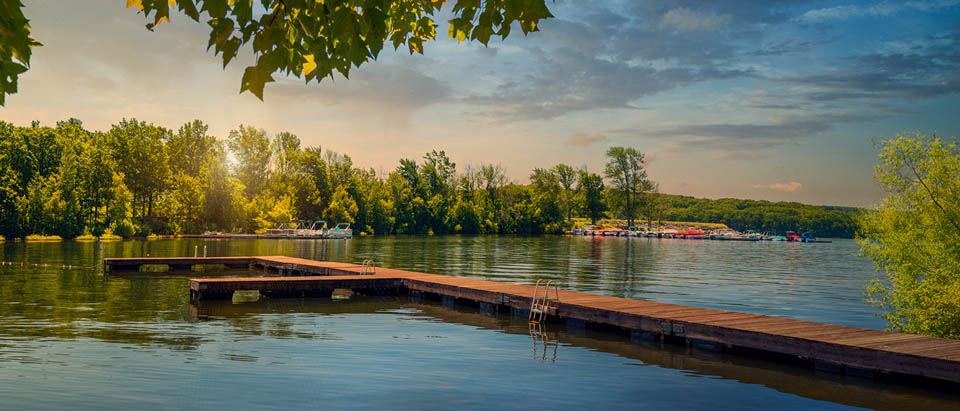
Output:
x=833 y=348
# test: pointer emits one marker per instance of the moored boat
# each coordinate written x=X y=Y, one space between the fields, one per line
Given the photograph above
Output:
x=341 y=231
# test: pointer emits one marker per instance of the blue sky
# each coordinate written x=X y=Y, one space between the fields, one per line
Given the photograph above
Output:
x=777 y=100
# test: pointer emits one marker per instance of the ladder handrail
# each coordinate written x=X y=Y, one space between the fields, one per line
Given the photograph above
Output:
x=539 y=304
x=369 y=267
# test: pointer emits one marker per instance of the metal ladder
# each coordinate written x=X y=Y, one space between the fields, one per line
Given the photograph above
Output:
x=541 y=304
x=369 y=267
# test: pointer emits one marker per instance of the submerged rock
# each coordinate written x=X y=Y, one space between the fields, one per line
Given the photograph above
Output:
x=246 y=296
x=341 y=294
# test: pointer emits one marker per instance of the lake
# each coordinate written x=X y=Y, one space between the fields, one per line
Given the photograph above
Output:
x=73 y=337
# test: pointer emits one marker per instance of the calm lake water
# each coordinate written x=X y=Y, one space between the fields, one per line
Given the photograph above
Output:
x=71 y=337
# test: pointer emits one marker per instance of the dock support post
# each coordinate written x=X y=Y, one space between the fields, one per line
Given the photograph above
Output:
x=640 y=337
x=488 y=308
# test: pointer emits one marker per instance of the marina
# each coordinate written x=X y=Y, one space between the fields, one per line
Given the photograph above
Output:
x=693 y=234
x=287 y=230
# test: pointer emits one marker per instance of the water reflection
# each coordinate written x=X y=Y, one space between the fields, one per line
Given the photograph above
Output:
x=547 y=338
x=543 y=342
x=58 y=322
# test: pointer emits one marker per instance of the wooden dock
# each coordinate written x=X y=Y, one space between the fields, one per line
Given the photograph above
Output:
x=850 y=350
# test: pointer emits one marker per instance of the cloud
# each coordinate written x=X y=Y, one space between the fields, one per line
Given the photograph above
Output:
x=883 y=9
x=604 y=62
x=921 y=68
x=791 y=187
x=742 y=13
x=688 y=20
x=744 y=140
x=586 y=140
x=393 y=91
x=787 y=128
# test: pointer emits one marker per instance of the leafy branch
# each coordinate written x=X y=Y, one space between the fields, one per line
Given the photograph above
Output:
x=930 y=194
x=308 y=38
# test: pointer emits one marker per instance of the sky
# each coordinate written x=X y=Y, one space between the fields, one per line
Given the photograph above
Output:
x=773 y=100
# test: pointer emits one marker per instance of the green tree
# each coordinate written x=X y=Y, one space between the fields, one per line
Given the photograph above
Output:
x=96 y=182
x=629 y=180
x=138 y=151
x=566 y=177
x=591 y=196
x=313 y=193
x=913 y=234
x=190 y=148
x=184 y=203
x=222 y=194
x=251 y=146
x=119 y=209
x=342 y=209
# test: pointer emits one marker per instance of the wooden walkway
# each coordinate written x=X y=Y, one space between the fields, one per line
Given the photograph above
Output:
x=855 y=351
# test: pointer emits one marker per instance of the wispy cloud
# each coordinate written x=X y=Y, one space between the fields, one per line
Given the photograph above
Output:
x=689 y=20
x=586 y=140
x=791 y=187
x=874 y=10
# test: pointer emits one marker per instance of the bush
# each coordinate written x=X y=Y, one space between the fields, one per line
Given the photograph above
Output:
x=40 y=238
x=123 y=228
x=912 y=236
x=108 y=236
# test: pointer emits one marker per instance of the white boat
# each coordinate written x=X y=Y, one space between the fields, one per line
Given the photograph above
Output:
x=342 y=230
x=316 y=229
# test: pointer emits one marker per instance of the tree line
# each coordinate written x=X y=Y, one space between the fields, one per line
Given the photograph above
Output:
x=762 y=216
x=139 y=179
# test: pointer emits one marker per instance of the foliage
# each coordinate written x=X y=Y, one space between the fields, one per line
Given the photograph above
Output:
x=760 y=215
x=301 y=38
x=138 y=153
x=912 y=236
x=591 y=196
x=628 y=181
x=15 y=45
x=67 y=181
x=342 y=208
x=252 y=148
x=108 y=236
x=42 y=238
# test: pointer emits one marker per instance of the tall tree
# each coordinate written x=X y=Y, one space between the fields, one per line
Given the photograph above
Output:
x=628 y=179
x=286 y=148
x=567 y=177
x=913 y=236
x=96 y=182
x=313 y=195
x=189 y=149
x=222 y=193
x=590 y=195
x=138 y=152
x=251 y=146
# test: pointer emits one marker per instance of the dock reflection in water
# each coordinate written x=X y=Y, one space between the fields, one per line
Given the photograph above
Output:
x=74 y=338
x=547 y=339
